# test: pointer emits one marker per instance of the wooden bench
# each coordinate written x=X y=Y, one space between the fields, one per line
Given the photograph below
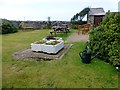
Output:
x=84 y=28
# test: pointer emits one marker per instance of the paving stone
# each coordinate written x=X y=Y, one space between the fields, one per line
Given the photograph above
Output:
x=28 y=54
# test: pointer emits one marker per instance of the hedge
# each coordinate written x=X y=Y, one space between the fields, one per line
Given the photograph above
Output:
x=8 y=27
x=106 y=39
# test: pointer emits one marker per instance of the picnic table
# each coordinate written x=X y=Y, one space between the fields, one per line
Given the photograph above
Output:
x=60 y=28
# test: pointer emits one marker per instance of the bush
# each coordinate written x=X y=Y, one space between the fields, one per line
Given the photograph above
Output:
x=76 y=23
x=106 y=39
x=8 y=27
x=74 y=26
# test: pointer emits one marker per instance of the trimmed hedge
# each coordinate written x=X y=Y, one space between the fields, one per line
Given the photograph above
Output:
x=106 y=39
x=8 y=27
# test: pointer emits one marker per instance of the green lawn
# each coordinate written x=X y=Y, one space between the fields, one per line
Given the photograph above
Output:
x=0 y=61
x=68 y=72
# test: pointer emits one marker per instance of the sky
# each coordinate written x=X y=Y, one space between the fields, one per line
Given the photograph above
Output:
x=60 y=10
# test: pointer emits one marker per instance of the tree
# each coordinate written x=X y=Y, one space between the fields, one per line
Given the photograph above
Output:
x=79 y=16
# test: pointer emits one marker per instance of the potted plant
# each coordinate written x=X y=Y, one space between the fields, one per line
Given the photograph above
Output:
x=53 y=46
x=38 y=45
x=48 y=46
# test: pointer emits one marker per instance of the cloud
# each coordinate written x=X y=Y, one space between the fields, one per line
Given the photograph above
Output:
x=51 y=1
x=56 y=9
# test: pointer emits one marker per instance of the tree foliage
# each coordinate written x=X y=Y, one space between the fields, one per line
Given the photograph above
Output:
x=21 y=25
x=106 y=39
x=79 y=16
x=8 y=27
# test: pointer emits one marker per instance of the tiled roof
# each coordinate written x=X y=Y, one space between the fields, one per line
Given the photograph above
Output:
x=96 y=11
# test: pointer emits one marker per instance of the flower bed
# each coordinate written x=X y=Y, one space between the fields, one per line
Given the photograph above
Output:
x=48 y=46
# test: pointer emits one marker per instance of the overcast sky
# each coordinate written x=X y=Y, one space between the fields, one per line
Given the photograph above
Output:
x=56 y=9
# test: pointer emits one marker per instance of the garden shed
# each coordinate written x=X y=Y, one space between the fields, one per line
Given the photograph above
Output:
x=95 y=16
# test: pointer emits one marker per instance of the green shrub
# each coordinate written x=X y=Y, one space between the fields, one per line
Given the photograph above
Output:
x=8 y=27
x=74 y=25
x=106 y=39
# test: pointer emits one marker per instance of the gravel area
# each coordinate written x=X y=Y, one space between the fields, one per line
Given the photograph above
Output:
x=75 y=37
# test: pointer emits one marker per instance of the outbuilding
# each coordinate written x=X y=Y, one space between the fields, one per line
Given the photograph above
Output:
x=95 y=16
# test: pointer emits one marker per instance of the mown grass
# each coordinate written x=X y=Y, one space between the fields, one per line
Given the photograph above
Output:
x=68 y=72
x=0 y=61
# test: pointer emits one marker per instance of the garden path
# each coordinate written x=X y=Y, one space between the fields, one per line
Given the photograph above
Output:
x=75 y=37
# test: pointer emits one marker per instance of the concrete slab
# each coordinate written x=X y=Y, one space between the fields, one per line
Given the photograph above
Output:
x=28 y=54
